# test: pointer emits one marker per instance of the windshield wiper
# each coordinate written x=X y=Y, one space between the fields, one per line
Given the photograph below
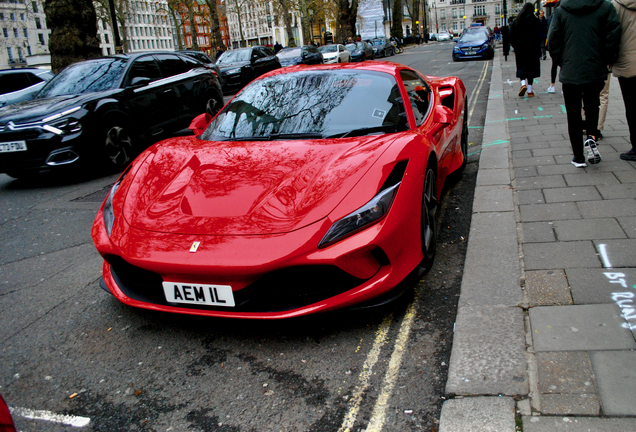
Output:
x=367 y=131
x=283 y=136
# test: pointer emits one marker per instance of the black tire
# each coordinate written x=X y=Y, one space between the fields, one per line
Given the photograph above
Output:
x=213 y=103
x=118 y=148
x=464 y=139
x=428 y=224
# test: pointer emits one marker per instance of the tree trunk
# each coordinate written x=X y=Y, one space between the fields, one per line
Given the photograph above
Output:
x=346 y=20
x=288 y=23
x=396 y=30
x=215 y=26
x=173 y=10
x=193 y=26
x=73 y=25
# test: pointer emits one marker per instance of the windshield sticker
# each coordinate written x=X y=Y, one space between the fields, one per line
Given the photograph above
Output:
x=378 y=113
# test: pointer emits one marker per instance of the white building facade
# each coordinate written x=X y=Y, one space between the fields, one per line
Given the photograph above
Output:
x=24 y=40
x=455 y=15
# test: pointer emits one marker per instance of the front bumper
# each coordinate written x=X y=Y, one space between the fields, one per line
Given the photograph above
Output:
x=472 y=52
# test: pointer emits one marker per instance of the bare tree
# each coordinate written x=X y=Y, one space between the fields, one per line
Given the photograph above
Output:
x=73 y=25
x=238 y=7
x=284 y=9
x=215 y=26
x=346 y=19
x=122 y=12
x=173 y=10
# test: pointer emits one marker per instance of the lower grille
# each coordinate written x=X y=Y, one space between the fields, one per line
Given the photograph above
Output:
x=278 y=291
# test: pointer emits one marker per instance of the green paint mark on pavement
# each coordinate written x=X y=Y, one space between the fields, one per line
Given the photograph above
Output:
x=563 y=109
x=540 y=108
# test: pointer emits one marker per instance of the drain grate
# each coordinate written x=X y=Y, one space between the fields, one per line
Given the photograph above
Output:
x=97 y=196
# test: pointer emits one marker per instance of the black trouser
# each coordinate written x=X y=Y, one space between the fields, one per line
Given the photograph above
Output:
x=572 y=96
x=628 y=89
x=553 y=72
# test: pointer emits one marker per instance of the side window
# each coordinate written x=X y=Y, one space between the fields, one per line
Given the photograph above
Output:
x=268 y=52
x=171 y=65
x=13 y=82
x=34 y=78
x=258 y=53
x=143 y=67
x=419 y=94
x=190 y=63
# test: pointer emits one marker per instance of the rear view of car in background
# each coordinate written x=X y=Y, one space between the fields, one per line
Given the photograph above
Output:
x=307 y=54
x=382 y=47
x=18 y=85
x=360 y=51
x=334 y=53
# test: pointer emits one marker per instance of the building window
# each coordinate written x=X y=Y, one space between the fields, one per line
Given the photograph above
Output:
x=106 y=38
x=12 y=16
x=497 y=10
x=15 y=32
x=454 y=12
x=34 y=5
x=26 y=32
x=442 y=14
x=2 y=16
x=6 y=32
x=41 y=38
x=21 y=17
x=29 y=50
x=38 y=24
x=10 y=54
x=480 y=10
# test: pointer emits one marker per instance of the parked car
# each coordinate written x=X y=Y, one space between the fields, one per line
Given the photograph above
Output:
x=335 y=53
x=382 y=47
x=473 y=44
x=206 y=60
x=360 y=51
x=21 y=84
x=6 y=422
x=313 y=189
x=432 y=36
x=444 y=36
x=240 y=66
x=105 y=110
x=307 y=54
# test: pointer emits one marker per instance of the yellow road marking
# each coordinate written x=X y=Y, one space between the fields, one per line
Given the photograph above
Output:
x=390 y=378
x=365 y=375
x=476 y=90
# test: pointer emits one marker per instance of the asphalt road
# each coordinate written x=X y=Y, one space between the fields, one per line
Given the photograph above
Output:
x=73 y=358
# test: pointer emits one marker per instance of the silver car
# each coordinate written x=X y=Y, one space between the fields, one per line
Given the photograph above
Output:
x=17 y=85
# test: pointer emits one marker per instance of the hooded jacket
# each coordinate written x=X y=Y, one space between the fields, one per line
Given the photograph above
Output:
x=625 y=65
x=584 y=38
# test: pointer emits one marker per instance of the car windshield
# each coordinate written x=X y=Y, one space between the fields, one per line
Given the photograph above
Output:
x=234 y=56
x=289 y=53
x=328 y=48
x=377 y=42
x=354 y=46
x=86 y=77
x=312 y=104
x=474 y=36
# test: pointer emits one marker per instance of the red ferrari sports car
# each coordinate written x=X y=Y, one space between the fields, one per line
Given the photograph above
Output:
x=314 y=188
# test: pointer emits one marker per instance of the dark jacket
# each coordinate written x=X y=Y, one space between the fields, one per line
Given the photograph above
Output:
x=525 y=37
x=584 y=37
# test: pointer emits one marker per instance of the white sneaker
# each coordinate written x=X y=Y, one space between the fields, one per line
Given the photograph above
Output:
x=591 y=151
x=551 y=89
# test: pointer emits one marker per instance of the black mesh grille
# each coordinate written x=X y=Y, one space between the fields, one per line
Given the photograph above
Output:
x=277 y=291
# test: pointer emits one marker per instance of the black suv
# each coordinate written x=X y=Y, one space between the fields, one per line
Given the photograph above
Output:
x=105 y=110
x=240 y=66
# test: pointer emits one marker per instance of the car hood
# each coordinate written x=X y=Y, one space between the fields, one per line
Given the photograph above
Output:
x=37 y=109
x=189 y=186
x=228 y=66
x=471 y=44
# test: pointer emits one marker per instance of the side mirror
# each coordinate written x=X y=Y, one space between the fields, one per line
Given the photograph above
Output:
x=140 y=82
x=200 y=123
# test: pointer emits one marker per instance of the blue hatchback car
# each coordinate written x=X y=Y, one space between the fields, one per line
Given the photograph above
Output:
x=473 y=43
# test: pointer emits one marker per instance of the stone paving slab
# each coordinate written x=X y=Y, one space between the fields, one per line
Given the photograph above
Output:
x=587 y=179
x=538 y=232
x=569 y=194
x=542 y=182
x=628 y=223
x=547 y=288
x=495 y=156
x=616 y=377
x=626 y=176
x=549 y=212
x=566 y=404
x=533 y=196
x=617 y=191
x=557 y=169
x=589 y=229
x=478 y=414
x=577 y=424
x=621 y=253
x=579 y=328
x=493 y=199
x=488 y=354
x=595 y=286
x=607 y=208
x=489 y=177
x=491 y=270
x=560 y=255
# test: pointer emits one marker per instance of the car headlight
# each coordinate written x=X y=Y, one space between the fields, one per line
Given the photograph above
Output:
x=365 y=216
x=484 y=46
x=233 y=71
x=109 y=213
x=61 y=123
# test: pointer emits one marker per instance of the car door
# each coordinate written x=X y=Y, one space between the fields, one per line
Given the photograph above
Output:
x=149 y=98
x=268 y=59
x=176 y=71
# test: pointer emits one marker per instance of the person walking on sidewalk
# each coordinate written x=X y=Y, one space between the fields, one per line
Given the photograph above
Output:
x=584 y=37
x=525 y=38
x=625 y=68
x=544 y=33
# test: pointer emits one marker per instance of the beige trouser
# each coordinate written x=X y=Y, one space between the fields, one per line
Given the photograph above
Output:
x=604 y=97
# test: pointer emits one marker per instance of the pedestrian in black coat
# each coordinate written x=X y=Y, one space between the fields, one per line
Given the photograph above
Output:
x=525 y=38
x=584 y=37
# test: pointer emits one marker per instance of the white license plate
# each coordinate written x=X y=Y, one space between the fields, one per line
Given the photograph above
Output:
x=13 y=146
x=199 y=294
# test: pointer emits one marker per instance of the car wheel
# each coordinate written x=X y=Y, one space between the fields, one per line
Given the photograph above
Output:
x=464 y=140
x=429 y=219
x=213 y=104
x=118 y=146
x=338 y=60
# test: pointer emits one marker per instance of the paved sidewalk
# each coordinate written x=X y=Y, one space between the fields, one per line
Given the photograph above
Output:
x=546 y=326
